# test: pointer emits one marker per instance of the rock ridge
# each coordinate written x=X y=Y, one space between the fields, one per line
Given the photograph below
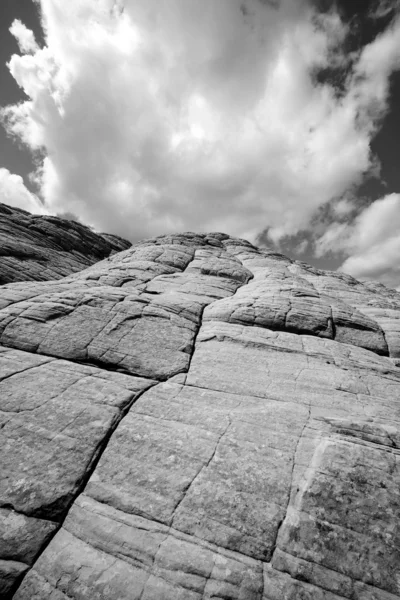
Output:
x=39 y=248
x=197 y=418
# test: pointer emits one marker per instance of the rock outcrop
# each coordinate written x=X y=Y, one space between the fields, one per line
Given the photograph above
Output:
x=194 y=419
x=37 y=248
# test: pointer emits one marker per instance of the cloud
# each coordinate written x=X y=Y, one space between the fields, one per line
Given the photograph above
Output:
x=24 y=36
x=14 y=193
x=168 y=116
x=383 y=8
x=371 y=242
x=372 y=74
x=343 y=207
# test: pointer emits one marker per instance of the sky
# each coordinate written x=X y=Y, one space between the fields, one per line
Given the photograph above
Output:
x=273 y=120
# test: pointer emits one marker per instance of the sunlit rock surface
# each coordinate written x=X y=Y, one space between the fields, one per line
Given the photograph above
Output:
x=194 y=419
x=36 y=248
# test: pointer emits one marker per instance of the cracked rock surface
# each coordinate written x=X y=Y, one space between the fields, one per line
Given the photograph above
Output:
x=195 y=418
x=39 y=248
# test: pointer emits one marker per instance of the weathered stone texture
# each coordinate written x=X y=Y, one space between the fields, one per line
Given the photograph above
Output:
x=198 y=419
x=37 y=248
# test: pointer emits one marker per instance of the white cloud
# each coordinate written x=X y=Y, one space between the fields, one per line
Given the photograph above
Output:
x=24 y=36
x=334 y=240
x=14 y=193
x=371 y=242
x=343 y=207
x=302 y=247
x=167 y=116
x=372 y=72
x=375 y=242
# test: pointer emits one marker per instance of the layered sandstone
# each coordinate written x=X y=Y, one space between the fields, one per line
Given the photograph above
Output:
x=197 y=418
x=39 y=248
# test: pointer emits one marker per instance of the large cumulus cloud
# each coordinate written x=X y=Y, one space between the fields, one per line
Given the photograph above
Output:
x=166 y=116
x=371 y=242
x=14 y=193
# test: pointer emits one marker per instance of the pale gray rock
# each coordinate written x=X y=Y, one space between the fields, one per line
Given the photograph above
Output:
x=194 y=419
x=107 y=316
x=372 y=299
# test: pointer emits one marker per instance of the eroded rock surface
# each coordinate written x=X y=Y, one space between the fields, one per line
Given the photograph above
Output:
x=37 y=248
x=196 y=418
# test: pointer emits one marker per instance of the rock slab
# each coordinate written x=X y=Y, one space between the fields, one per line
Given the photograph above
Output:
x=196 y=418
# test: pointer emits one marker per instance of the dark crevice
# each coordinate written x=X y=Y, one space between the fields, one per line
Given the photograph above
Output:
x=386 y=342
x=193 y=344
x=17 y=583
x=103 y=366
x=14 y=373
x=95 y=363
x=262 y=591
x=318 y=332
x=294 y=463
x=278 y=527
x=204 y=466
x=9 y=506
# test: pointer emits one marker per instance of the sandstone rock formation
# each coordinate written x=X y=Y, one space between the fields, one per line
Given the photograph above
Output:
x=194 y=419
x=36 y=248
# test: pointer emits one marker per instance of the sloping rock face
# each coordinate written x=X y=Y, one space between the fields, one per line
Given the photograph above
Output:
x=194 y=419
x=36 y=248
